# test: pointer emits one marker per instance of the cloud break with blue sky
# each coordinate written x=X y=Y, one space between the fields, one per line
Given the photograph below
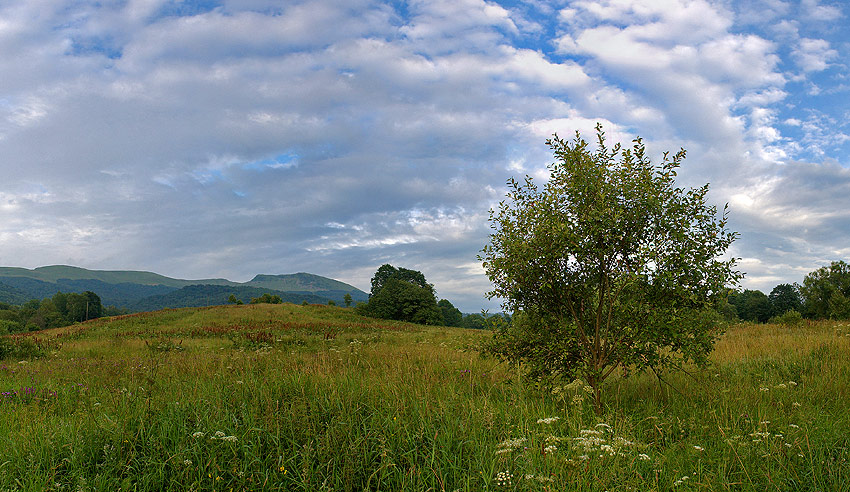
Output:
x=228 y=138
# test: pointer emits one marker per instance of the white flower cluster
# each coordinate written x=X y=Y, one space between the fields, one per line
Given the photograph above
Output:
x=509 y=445
x=504 y=479
x=548 y=420
x=598 y=441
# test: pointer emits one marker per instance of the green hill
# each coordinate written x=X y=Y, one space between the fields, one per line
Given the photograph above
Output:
x=59 y=272
x=216 y=295
x=141 y=291
x=301 y=282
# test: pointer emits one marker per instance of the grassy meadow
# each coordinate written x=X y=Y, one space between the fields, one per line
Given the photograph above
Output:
x=315 y=398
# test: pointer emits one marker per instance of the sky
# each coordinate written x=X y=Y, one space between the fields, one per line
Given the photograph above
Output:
x=201 y=139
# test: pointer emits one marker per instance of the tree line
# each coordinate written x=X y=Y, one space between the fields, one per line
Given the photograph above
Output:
x=60 y=310
x=824 y=294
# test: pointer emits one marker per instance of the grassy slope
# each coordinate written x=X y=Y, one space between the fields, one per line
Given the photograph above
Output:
x=317 y=398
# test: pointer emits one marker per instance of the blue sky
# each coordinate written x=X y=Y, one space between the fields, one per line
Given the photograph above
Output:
x=230 y=138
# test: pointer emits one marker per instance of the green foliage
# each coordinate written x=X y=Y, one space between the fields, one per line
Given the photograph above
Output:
x=474 y=321
x=751 y=305
x=784 y=298
x=609 y=265
x=267 y=299
x=403 y=301
x=825 y=292
x=403 y=295
x=22 y=347
x=9 y=326
x=347 y=299
x=451 y=315
x=387 y=271
x=790 y=317
x=216 y=295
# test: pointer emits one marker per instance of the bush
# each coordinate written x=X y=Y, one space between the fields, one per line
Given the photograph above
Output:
x=9 y=326
x=790 y=317
x=22 y=348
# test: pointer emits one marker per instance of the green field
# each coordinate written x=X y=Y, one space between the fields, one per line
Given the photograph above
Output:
x=310 y=398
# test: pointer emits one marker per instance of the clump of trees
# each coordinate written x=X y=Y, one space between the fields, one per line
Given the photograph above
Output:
x=402 y=294
x=267 y=299
x=608 y=265
x=824 y=294
x=405 y=295
x=60 y=310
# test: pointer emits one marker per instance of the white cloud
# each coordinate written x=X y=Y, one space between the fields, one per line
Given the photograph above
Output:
x=258 y=136
x=813 y=55
x=816 y=12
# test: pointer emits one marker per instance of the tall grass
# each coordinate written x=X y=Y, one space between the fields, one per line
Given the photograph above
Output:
x=315 y=398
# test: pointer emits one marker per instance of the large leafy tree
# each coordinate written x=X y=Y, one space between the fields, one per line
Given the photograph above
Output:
x=403 y=301
x=402 y=294
x=784 y=298
x=387 y=271
x=608 y=265
x=451 y=315
x=826 y=292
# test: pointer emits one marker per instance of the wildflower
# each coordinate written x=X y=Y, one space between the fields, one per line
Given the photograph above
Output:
x=796 y=404
x=548 y=420
x=218 y=435
x=781 y=386
x=680 y=481
x=187 y=462
x=229 y=438
x=198 y=435
x=512 y=443
x=792 y=383
x=643 y=457
x=504 y=478
x=764 y=389
x=698 y=448
x=550 y=448
x=794 y=426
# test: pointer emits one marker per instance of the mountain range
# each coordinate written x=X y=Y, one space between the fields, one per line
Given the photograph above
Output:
x=147 y=291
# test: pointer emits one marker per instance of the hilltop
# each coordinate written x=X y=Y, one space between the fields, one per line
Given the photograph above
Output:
x=141 y=290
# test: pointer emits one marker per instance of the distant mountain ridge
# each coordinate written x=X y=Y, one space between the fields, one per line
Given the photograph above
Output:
x=140 y=290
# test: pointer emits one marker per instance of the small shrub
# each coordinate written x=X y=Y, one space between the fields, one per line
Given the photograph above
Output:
x=165 y=345
x=22 y=348
x=790 y=317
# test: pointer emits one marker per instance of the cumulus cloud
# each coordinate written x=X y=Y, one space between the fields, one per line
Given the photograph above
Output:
x=813 y=55
x=248 y=136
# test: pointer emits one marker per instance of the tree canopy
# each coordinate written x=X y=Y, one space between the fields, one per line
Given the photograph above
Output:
x=827 y=292
x=608 y=264
x=387 y=271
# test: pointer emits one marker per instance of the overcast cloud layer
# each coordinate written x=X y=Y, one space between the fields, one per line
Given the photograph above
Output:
x=229 y=138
